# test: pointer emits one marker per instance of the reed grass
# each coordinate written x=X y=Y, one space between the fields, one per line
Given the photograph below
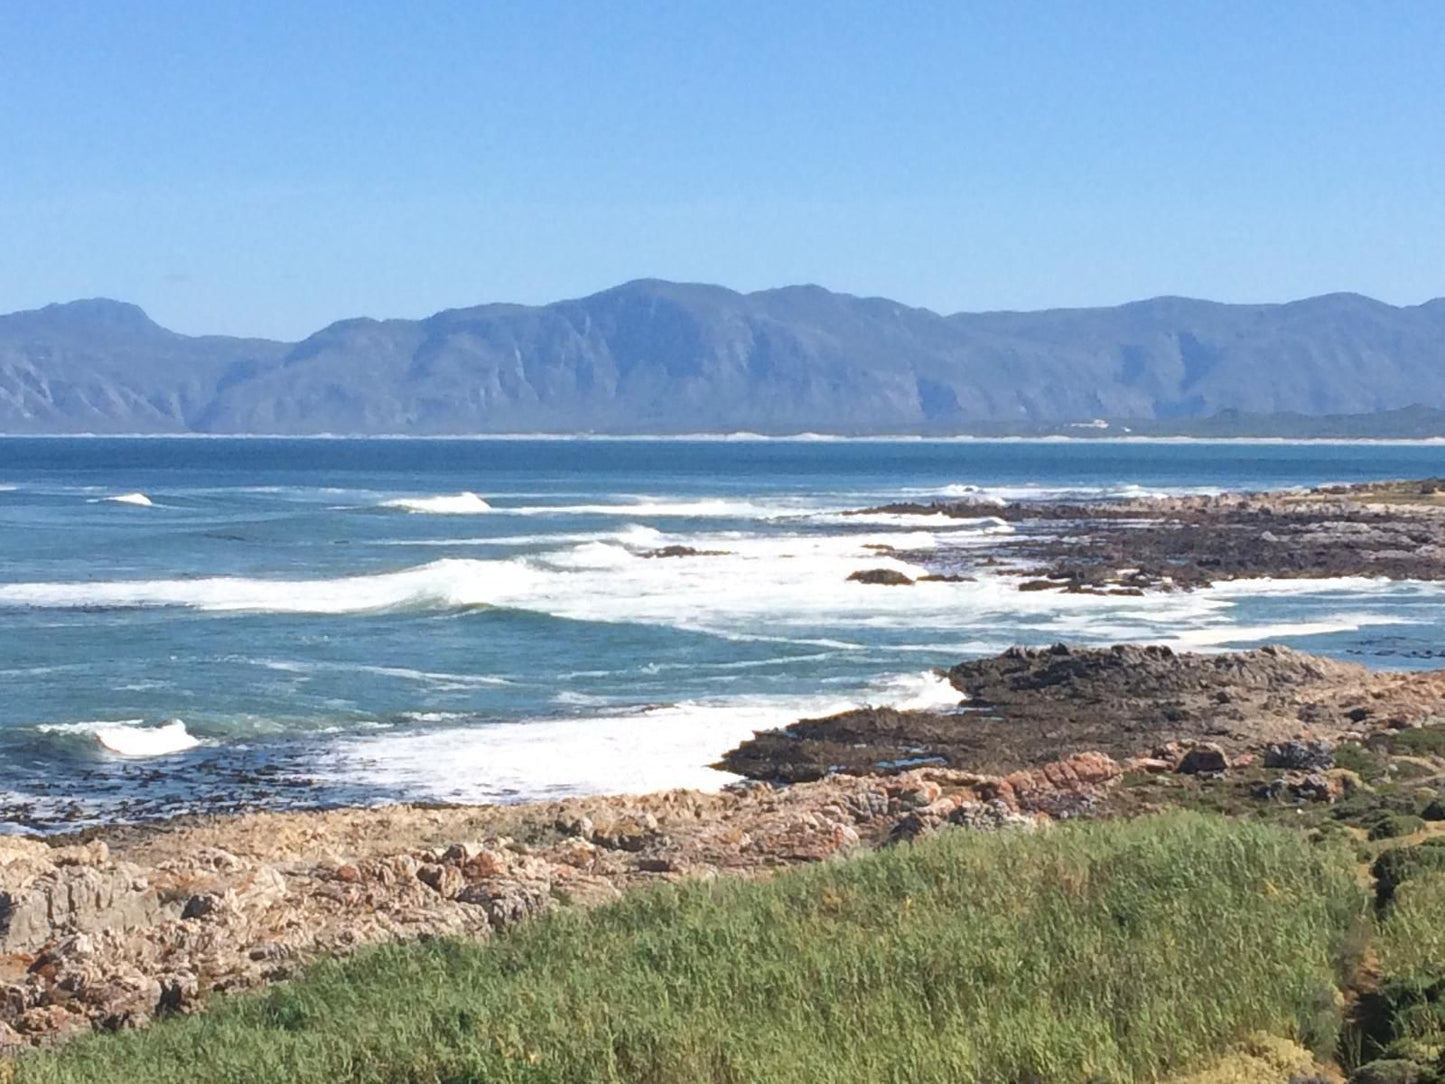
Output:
x=1102 y=952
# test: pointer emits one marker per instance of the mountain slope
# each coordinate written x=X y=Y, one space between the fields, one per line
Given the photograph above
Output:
x=101 y=366
x=654 y=356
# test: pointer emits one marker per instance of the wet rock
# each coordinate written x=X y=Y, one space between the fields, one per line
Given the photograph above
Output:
x=683 y=551
x=887 y=577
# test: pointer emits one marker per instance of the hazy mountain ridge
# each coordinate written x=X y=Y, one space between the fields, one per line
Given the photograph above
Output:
x=654 y=356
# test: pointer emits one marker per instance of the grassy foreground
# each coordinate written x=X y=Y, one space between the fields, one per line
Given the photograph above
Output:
x=1104 y=952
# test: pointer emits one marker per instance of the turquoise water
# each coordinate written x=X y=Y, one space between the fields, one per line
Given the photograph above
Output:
x=374 y=620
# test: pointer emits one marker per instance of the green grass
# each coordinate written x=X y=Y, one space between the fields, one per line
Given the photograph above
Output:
x=1405 y=1016
x=1411 y=944
x=1420 y=741
x=1104 y=952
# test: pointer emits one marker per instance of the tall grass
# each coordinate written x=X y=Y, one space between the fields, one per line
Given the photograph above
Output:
x=1411 y=943
x=1091 y=953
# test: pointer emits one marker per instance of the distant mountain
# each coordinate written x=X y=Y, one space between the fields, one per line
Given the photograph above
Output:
x=657 y=357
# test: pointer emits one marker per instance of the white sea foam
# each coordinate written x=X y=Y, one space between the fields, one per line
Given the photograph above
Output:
x=928 y=691
x=440 y=681
x=634 y=534
x=1348 y=585
x=456 y=504
x=982 y=527
x=131 y=737
x=614 y=752
x=1230 y=635
x=139 y=500
x=794 y=588
x=1000 y=495
x=666 y=508
x=445 y=584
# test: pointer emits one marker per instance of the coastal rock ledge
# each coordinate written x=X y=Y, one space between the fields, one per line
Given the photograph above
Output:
x=1031 y=707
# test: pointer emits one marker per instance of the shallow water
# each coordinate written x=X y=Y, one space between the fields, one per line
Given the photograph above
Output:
x=372 y=620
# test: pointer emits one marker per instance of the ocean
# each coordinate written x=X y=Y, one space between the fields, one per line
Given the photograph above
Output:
x=194 y=624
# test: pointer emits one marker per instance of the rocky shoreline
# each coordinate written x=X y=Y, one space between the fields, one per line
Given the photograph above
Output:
x=109 y=928
x=1394 y=530
x=1031 y=707
x=138 y=922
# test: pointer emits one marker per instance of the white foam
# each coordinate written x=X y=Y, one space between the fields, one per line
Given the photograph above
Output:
x=656 y=748
x=1002 y=495
x=441 y=681
x=928 y=691
x=982 y=527
x=139 y=500
x=1351 y=585
x=131 y=737
x=634 y=534
x=665 y=508
x=456 y=504
x=445 y=584
x=1249 y=634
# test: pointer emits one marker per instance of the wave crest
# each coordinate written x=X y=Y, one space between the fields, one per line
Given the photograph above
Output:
x=455 y=504
x=453 y=583
x=131 y=737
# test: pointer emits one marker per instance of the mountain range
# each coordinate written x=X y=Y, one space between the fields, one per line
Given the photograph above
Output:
x=663 y=357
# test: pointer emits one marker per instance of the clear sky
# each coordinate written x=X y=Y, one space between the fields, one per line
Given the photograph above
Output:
x=265 y=168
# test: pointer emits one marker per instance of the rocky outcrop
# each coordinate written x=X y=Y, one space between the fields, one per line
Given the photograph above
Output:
x=888 y=577
x=1382 y=529
x=74 y=888
x=1033 y=707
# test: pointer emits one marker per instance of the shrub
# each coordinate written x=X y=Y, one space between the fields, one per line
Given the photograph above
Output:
x=1391 y=825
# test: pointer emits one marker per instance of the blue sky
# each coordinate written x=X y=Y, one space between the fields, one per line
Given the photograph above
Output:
x=265 y=168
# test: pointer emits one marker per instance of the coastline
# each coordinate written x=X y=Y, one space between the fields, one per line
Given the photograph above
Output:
x=760 y=438
x=111 y=927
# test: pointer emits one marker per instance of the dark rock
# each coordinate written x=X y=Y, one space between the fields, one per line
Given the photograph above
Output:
x=1207 y=759
x=1301 y=756
x=1040 y=585
x=885 y=576
x=200 y=906
x=1029 y=707
x=683 y=551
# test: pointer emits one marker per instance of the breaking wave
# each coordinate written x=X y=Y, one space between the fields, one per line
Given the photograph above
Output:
x=456 y=504
x=139 y=500
x=131 y=737
x=452 y=583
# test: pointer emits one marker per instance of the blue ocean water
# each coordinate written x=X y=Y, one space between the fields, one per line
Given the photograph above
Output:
x=212 y=623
